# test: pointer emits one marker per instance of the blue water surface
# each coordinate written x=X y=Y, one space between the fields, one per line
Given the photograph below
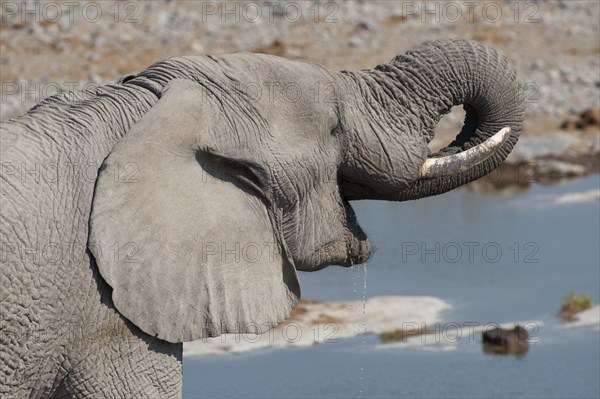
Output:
x=494 y=258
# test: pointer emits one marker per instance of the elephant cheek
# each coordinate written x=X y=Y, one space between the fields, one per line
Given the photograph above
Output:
x=341 y=241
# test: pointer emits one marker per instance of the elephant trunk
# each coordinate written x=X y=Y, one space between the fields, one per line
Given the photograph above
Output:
x=427 y=82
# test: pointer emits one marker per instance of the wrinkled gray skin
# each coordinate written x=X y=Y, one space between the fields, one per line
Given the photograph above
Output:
x=185 y=157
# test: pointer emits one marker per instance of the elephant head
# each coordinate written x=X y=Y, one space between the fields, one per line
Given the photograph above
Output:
x=242 y=174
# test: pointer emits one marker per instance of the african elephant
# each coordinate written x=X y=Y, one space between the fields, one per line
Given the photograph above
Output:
x=180 y=202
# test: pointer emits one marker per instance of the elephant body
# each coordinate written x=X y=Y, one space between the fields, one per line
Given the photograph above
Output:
x=61 y=335
x=132 y=213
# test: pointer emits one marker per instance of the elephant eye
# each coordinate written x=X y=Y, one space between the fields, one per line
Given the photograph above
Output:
x=337 y=129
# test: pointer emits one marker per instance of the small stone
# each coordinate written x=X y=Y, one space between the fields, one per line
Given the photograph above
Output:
x=197 y=47
x=590 y=117
x=94 y=77
x=537 y=64
x=366 y=25
x=355 y=42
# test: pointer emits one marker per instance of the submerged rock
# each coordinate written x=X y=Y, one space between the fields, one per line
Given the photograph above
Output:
x=501 y=341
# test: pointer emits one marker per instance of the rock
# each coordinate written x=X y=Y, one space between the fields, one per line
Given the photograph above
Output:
x=197 y=47
x=95 y=78
x=588 y=118
x=276 y=48
x=366 y=25
x=554 y=168
x=500 y=341
x=537 y=64
x=553 y=144
x=355 y=42
x=162 y=19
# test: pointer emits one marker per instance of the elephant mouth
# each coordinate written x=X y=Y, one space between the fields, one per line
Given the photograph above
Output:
x=352 y=191
x=359 y=249
x=332 y=236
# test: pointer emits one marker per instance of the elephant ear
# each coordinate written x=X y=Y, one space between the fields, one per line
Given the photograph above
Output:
x=180 y=235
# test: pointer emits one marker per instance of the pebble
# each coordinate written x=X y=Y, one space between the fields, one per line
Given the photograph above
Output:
x=197 y=47
x=355 y=42
x=366 y=25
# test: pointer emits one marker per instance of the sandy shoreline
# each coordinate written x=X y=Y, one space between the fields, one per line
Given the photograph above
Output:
x=315 y=322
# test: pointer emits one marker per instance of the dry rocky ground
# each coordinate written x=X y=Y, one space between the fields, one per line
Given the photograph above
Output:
x=554 y=45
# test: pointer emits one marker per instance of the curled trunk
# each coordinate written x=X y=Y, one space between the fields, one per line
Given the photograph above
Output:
x=428 y=82
x=474 y=75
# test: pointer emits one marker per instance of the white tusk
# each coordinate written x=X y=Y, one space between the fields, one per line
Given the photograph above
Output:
x=452 y=164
